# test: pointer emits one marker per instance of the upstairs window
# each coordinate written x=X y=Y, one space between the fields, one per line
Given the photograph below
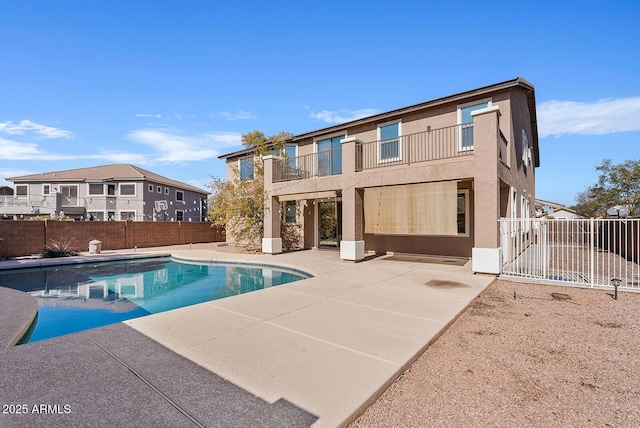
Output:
x=465 y=120
x=127 y=190
x=330 y=156
x=22 y=191
x=96 y=189
x=111 y=189
x=46 y=189
x=179 y=195
x=290 y=153
x=246 y=168
x=390 y=146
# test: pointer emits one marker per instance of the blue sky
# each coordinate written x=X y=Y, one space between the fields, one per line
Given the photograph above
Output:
x=171 y=85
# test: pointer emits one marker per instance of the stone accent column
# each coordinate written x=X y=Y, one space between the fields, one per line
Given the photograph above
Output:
x=486 y=254
x=352 y=243
x=271 y=242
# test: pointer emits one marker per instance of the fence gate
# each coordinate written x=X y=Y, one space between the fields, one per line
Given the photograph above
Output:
x=587 y=252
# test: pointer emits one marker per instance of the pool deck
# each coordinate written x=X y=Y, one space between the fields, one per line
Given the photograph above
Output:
x=314 y=352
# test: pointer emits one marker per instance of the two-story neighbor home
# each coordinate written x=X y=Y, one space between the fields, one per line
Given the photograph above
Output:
x=108 y=192
x=431 y=178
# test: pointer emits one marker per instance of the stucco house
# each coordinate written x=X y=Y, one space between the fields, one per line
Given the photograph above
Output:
x=431 y=178
x=107 y=192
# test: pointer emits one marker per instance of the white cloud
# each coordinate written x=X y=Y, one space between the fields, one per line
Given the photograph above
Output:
x=238 y=115
x=342 y=116
x=8 y=172
x=27 y=126
x=14 y=150
x=155 y=116
x=173 y=147
x=604 y=116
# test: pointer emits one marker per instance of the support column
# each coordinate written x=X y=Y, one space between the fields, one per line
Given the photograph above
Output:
x=271 y=241
x=486 y=252
x=352 y=244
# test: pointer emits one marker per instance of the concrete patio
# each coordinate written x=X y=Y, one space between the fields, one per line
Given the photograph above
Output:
x=309 y=353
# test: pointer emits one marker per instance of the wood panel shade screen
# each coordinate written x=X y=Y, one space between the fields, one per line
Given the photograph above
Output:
x=412 y=209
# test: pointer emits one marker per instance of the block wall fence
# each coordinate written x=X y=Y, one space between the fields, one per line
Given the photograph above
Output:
x=23 y=238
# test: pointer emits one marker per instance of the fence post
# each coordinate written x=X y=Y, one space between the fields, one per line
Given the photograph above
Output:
x=591 y=253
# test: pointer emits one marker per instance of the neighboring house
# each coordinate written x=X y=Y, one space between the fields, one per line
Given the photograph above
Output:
x=6 y=191
x=108 y=192
x=554 y=210
x=431 y=178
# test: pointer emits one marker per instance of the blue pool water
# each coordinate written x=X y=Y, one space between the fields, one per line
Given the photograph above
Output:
x=79 y=297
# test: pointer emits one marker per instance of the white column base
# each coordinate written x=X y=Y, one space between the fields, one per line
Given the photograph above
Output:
x=272 y=245
x=352 y=250
x=486 y=260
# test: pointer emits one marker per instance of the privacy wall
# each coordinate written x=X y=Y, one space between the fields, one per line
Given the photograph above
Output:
x=23 y=238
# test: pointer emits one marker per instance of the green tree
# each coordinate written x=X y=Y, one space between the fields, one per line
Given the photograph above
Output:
x=617 y=185
x=238 y=205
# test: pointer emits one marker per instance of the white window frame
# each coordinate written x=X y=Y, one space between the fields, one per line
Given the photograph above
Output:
x=249 y=158
x=181 y=212
x=159 y=189
x=95 y=194
x=135 y=215
x=166 y=190
x=115 y=189
x=526 y=150
x=379 y=148
x=150 y=188
x=180 y=192
x=459 y=108
x=467 y=224
x=293 y=164
x=44 y=185
x=135 y=190
x=77 y=195
x=26 y=195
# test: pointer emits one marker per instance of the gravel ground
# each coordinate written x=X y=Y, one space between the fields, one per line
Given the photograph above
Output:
x=569 y=359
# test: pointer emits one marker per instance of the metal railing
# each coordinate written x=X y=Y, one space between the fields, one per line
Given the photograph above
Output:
x=587 y=252
x=328 y=162
x=441 y=143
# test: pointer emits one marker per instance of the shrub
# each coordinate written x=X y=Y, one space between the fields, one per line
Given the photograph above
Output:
x=58 y=249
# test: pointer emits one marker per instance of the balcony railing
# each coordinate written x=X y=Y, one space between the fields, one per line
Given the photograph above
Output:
x=320 y=164
x=442 y=143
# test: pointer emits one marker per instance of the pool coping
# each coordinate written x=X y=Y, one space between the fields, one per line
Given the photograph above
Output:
x=279 y=319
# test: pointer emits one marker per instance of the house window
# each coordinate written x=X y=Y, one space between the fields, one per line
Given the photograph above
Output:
x=70 y=194
x=96 y=189
x=179 y=215
x=111 y=189
x=463 y=212
x=179 y=195
x=166 y=190
x=159 y=189
x=127 y=215
x=46 y=189
x=526 y=150
x=390 y=145
x=96 y=215
x=330 y=156
x=22 y=191
x=465 y=120
x=150 y=188
x=290 y=212
x=290 y=153
x=127 y=190
x=246 y=168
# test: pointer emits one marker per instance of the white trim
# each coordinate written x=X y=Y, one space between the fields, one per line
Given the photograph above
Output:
x=467 y=224
x=135 y=190
x=135 y=215
x=22 y=196
x=150 y=187
x=68 y=204
x=459 y=108
x=102 y=185
x=49 y=192
x=180 y=191
x=390 y=140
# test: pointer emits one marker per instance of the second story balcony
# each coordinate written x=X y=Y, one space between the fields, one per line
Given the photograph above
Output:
x=442 y=143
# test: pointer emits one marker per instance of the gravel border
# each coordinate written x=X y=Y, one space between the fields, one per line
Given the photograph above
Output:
x=551 y=356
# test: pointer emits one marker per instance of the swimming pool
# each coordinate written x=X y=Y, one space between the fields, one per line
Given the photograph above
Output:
x=79 y=297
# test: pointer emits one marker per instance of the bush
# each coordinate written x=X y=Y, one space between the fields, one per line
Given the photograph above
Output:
x=58 y=249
